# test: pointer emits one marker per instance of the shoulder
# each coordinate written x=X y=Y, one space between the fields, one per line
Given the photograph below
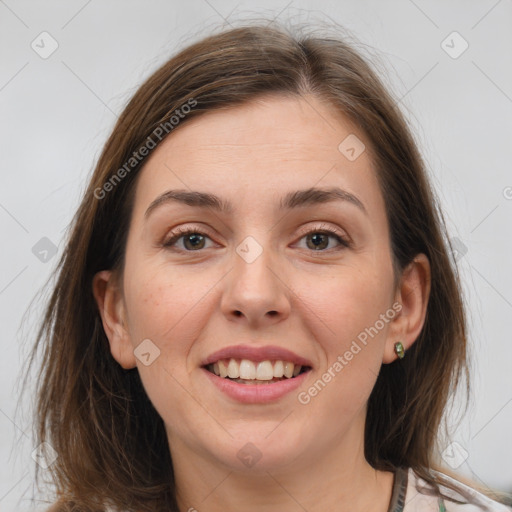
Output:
x=459 y=497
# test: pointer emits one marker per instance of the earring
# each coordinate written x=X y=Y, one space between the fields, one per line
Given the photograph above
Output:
x=399 y=350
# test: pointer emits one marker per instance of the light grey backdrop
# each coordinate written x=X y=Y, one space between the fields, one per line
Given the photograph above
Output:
x=68 y=68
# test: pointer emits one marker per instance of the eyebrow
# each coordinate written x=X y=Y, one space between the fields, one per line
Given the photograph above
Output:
x=296 y=199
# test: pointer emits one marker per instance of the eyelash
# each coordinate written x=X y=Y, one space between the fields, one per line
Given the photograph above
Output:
x=182 y=232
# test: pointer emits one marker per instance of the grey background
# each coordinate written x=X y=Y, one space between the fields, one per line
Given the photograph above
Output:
x=57 y=112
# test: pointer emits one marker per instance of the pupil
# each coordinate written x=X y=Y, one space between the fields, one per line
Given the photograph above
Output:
x=315 y=239
x=197 y=239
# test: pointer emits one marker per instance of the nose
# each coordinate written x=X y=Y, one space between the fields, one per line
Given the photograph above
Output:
x=256 y=291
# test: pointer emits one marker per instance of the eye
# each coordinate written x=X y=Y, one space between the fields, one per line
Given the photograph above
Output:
x=317 y=239
x=193 y=239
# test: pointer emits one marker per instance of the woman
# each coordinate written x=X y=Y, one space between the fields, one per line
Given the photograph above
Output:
x=256 y=308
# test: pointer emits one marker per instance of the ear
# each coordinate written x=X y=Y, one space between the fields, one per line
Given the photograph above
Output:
x=111 y=306
x=412 y=294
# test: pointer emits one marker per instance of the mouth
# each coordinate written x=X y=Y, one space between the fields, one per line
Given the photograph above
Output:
x=245 y=371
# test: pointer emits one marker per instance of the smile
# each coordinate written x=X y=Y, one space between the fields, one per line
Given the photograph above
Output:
x=250 y=374
x=245 y=371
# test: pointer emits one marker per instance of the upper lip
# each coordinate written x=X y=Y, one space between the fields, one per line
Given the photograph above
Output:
x=256 y=354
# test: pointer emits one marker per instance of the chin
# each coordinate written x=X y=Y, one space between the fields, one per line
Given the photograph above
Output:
x=258 y=452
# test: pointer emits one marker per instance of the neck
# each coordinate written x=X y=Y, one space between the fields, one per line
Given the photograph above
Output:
x=338 y=479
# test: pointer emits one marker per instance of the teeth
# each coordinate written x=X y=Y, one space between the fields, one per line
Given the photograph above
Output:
x=288 y=370
x=265 y=371
x=223 y=369
x=233 y=369
x=278 y=369
x=248 y=370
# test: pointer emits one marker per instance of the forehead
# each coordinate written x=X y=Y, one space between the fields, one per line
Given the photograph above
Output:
x=260 y=148
x=300 y=126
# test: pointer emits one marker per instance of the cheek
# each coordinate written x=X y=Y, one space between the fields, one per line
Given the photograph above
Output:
x=347 y=300
x=169 y=306
x=158 y=296
x=353 y=351
x=352 y=312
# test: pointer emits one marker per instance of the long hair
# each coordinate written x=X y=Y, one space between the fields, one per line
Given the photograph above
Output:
x=111 y=442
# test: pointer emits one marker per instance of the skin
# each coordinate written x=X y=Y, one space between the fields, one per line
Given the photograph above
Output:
x=193 y=303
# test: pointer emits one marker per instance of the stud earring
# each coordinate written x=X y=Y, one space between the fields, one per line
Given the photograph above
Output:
x=399 y=350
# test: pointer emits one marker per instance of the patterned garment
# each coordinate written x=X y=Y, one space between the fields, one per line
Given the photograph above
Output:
x=413 y=494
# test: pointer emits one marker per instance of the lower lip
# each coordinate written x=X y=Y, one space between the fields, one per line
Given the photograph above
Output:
x=256 y=393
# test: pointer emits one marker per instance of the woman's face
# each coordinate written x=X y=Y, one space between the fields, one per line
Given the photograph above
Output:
x=262 y=280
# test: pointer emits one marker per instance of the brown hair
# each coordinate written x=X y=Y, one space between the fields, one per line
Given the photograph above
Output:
x=111 y=442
